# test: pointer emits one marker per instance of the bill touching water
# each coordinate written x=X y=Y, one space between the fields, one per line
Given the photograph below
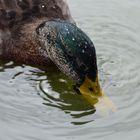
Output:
x=96 y=97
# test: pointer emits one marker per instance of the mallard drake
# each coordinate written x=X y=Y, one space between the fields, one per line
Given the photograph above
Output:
x=43 y=32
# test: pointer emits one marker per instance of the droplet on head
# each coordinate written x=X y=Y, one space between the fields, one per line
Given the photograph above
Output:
x=42 y=6
x=73 y=39
x=83 y=51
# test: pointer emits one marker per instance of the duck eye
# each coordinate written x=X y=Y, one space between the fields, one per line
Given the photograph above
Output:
x=90 y=89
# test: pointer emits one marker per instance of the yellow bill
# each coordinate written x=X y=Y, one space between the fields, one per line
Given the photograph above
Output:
x=94 y=95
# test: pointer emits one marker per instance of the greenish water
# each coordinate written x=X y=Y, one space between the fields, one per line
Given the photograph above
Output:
x=39 y=105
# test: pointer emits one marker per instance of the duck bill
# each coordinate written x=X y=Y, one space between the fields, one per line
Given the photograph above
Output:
x=91 y=90
x=93 y=93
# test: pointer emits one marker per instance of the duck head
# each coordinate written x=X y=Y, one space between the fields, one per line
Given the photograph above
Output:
x=73 y=53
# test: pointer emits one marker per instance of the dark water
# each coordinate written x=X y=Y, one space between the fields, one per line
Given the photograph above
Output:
x=38 y=105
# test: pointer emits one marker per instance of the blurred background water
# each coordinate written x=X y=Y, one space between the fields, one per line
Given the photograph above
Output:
x=39 y=105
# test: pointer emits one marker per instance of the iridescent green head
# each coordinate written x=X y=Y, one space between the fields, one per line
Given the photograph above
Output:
x=72 y=51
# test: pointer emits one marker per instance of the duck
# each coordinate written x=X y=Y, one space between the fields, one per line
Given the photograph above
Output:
x=43 y=32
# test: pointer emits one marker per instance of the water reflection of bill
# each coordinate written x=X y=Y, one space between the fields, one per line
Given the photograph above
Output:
x=103 y=104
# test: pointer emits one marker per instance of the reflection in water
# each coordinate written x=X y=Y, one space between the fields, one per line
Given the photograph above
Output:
x=56 y=90
x=52 y=86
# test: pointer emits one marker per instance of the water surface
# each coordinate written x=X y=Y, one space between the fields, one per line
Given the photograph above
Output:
x=39 y=105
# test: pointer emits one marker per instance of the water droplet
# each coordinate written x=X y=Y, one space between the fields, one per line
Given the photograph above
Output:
x=83 y=51
x=42 y=6
x=73 y=39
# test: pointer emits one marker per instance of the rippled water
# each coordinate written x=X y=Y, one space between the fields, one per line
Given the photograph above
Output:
x=38 y=105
